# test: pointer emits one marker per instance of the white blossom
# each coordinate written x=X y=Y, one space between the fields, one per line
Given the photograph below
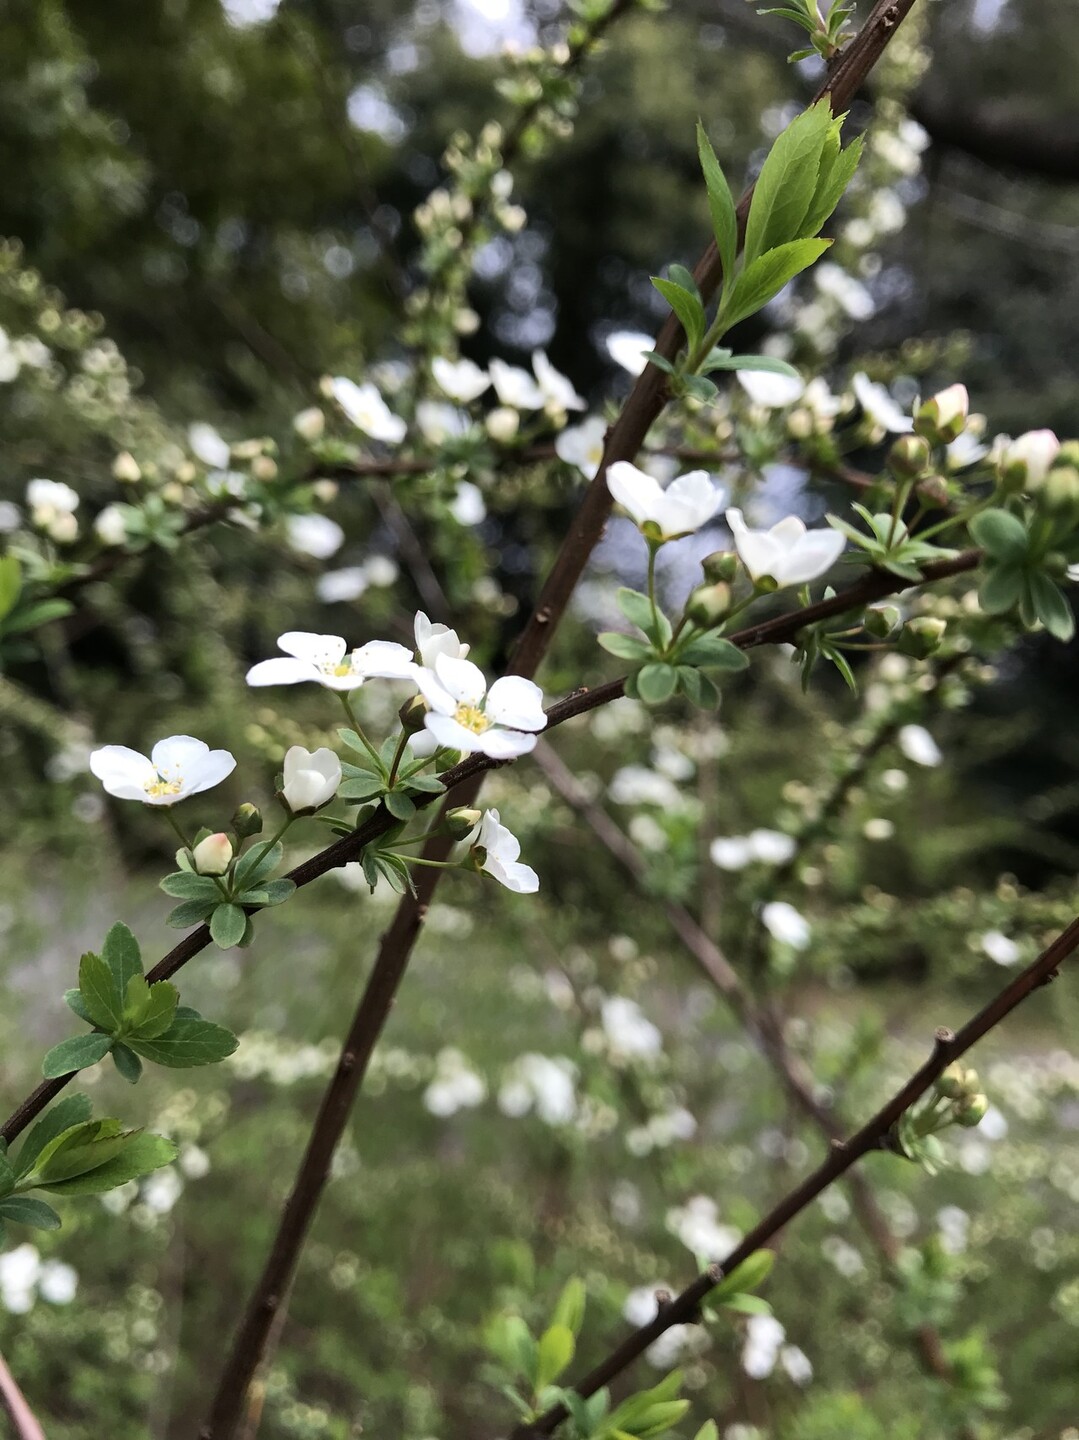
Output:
x=641 y=1307
x=10 y=517
x=629 y=1032
x=501 y=850
x=637 y=785
x=797 y=1364
x=772 y=392
x=516 y=388
x=309 y=424
x=462 y=380
x=731 y=852
x=466 y=716
x=178 y=767
x=764 y=1336
x=688 y=502
x=311 y=778
x=58 y=1283
x=582 y=445
x=213 y=854
x=456 y=1086
x=1032 y=453
x=110 y=527
x=543 y=1083
x=918 y=745
x=380 y=570
x=628 y=349
x=20 y=1270
x=337 y=586
x=786 y=924
x=558 y=392
x=161 y=1190
x=788 y=553
x=322 y=658
x=52 y=508
x=208 y=446
x=434 y=639
x=467 y=506
x=367 y=410
x=879 y=406
x=999 y=948
x=697 y=1225
x=438 y=422
x=314 y=535
x=771 y=847
x=10 y=363
x=850 y=294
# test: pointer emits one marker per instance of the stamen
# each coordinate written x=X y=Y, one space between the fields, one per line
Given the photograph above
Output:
x=472 y=718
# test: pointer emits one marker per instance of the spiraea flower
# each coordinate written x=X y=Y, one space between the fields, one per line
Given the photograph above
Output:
x=788 y=553
x=177 y=767
x=461 y=380
x=464 y=715
x=311 y=778
x=497 y=850
x=367 y=410
x=434 y=639
x=327 y=660
x=661 y=514
x=628 y=348
x=582 y=445
x=879 y=406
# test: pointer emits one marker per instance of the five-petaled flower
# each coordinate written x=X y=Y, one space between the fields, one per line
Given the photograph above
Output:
x=311 y=778
x=367 y=410
x=464 y=715
x=688 y=502
x=788 y=553
x=178 y=767
x=323 y=658
x=499 y=849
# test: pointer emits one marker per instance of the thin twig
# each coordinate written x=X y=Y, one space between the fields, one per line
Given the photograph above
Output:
x=25 y=1422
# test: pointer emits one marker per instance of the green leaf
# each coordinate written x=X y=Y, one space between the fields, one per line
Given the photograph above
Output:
x=150 y=1009
x=766 y=277
x=10 y=583
x=187 y=1042
x=1051 y=605
x=81 y=1148
x=127 y=1063
x=77 y=1053
x=1001 y=588
x=399 y=805
x=767 y=363
x=25 y=1210
x=65 y=1115
x=656 y=682
x=254 y=864
x=73 y=998
x=101 y=999
x=354 y=743
x=362 y=787
x=426 y=784
x=270 y=892
x=787 y=183
x=708 y=1431
x=686 y=306
x=836 y=172
x=715 y=653
x=227 y=925
x=191 y=912
x=637 y=608
x=681 y=276
x=186 y=885
x=747 y=1305
x=141 y=1154
x=121 y=954
x=38 y=614
x=721 y=205
x=569 y=1311
x=746 y=1277
x=626 y=647
x=554 y=1353
x=1000 y=533
x=697 y=688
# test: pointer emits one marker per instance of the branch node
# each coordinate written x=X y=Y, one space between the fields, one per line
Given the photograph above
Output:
x=943 y=1037
x=1049 y=977
x=836 y=1145
x=715 y=1273
x=347 y=1061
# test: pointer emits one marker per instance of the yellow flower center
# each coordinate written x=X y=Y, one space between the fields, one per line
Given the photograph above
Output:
x=164 y=787
x=472 y=718
x=345 y=668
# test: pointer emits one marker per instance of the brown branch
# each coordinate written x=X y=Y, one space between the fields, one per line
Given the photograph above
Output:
x=24 y=1422
x=875 y=1134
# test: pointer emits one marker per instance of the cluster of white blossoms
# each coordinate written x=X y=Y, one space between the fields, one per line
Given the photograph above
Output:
x=764 y=1347
x=52 y=506
x=26 y=1278
x=763 y=847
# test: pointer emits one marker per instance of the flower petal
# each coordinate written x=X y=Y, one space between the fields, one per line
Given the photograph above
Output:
x=635 y=491
x=207 y=771
x=516 y=702
x=173 y=757
x=282 y=671
x=450 y=732
x=383 y=660
x=315 y=649
x=505 y=744
x=461 y=679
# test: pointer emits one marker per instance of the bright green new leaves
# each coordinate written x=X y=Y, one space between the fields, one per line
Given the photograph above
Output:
x=668 y=664
x=21 y=612
x=734 y=1291
x=224 y=900
x=653 y=1412
x=133 y=1018
x=535 y=1364
x=67 y=1153
x=1014 y=574
x=368 y=779
x=720 y=203
x=889 y=544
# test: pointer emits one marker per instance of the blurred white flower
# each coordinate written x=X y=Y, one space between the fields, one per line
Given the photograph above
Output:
x=879 y=406
x=630 y=1034
x=337 y=586
x=850 y=294
x=684 y=506
x=58 y=1283
x=311 y=778
x=918 y=745
x=19 y=1272
x=309 y=424
x=582 y=445
x=764 y=1336
x=161 y=1190
x=788 y=553
x=466 y=716
x=628 y=348
x=208 y=446
x=785 y=924
x=731 y=852
x=456 y=1085
x=637 y=785
x=1030 y=455
x=322 y=658
x=314 y=535
x=772 y=392
x=438 y=422
x=10 y=517
x=380 y=570
x=966 y=449
x=467 y=506
x=516 y=388
x=52 y=508
x=178 y=767
x=462 y=380
x=558 y=392
x=543 y=1083
x=640 y=1307
x=797 y=1364
x=110 y=527
x=999 y=948
x=501 y=852
x=194 y=1162
x=367 y=410
x=771 y=847
x=696 y=1224
x=10 y=364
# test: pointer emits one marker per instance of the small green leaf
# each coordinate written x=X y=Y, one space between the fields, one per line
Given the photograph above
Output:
x=255 y=864
x=270 y=892
x=190 y=912
x=762 y=280
x=185 y=885
x=569 y=1311
x=78 y=1053
x=10 y=583
x=1000 y=533
x=555 y=1351
x=127 y=1063
x=25 y=1210
x=65 y=1115
x=637 y=608
x=37 y=614
x=399 y=805
x=1001 y=588
x=140 y=1154
x=787 y=184
x=748 y=1276
x=1051 y=605
x=426 y=784
x=187 y=1042
x=121 y=954
x=747 y=1305
x=152 y=1009
x=227 y=925
x=721 y=205
x=767 y=363
x=715 y=653
x=656 y=682
x=100 y=997
x=354 y=743
x=73 y=998
x=362 y=787
x=81 y=1148
x=697 y=688
x=686 y=306
x=626 y=647
x=837 y=167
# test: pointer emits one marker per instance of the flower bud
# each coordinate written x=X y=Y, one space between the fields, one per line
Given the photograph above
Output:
x=462 y=821
x=801 y=424
x=881 y=620
x=1060 y=492
x=311 y=778
x=721 y=565
x=1024 y=463
x=921 y=636
x=125 y=468
x=909 y=456
x=943 y=417
x=264 y=467
x=309 y=424
x=951 y=1083
x=709 y=604
x=247 y=821
x=502 y=424
x=213 y=856
x=972 y=1110
x=933 y=492
x=412 y=714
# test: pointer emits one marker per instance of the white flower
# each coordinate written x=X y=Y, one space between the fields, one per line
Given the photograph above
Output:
x=628 y=349
x=879 y=405
x=764 y=1336
x=461 y=380
x=637 y=785
x=630 y=1033
x=49 y=498
x=516 y=388
x=773 y=392
x=1031 y=454
x=314 y=535
x=850 y=294
x=439 y=422
x=797 y=1364
x=918 y=745
x=641 y=1307
x=785 y=924
x=10 y=517
x=466 y=716
x=162 y=1190
x=731 y=852
x=110 y=526
x=467 y=506
x=582 y=445
x=311 y=778
x=456 y=1085
x=367 y=410
x=322 y=658
x=178 y=767
x=20 y=1270
x=966 y=449
x=337 y=586
x=10 y=363
x=999 y=948
x=501 y=849
x=788 y=553
x=696 y=1224
x=542 y=1083
x=771 y=847
x=434 y=639
x=945 y=413
x=687 y=503
x=208 y=446
x=58 y=1283
x=820 y=401
x=309 y=424
x=502 y=424
x=558 y=392
x=380 y=570
x=213 y=855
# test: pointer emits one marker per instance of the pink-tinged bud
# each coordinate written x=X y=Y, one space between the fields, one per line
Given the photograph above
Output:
x=943 y=418
x=213 y=856
x=1026 y=461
